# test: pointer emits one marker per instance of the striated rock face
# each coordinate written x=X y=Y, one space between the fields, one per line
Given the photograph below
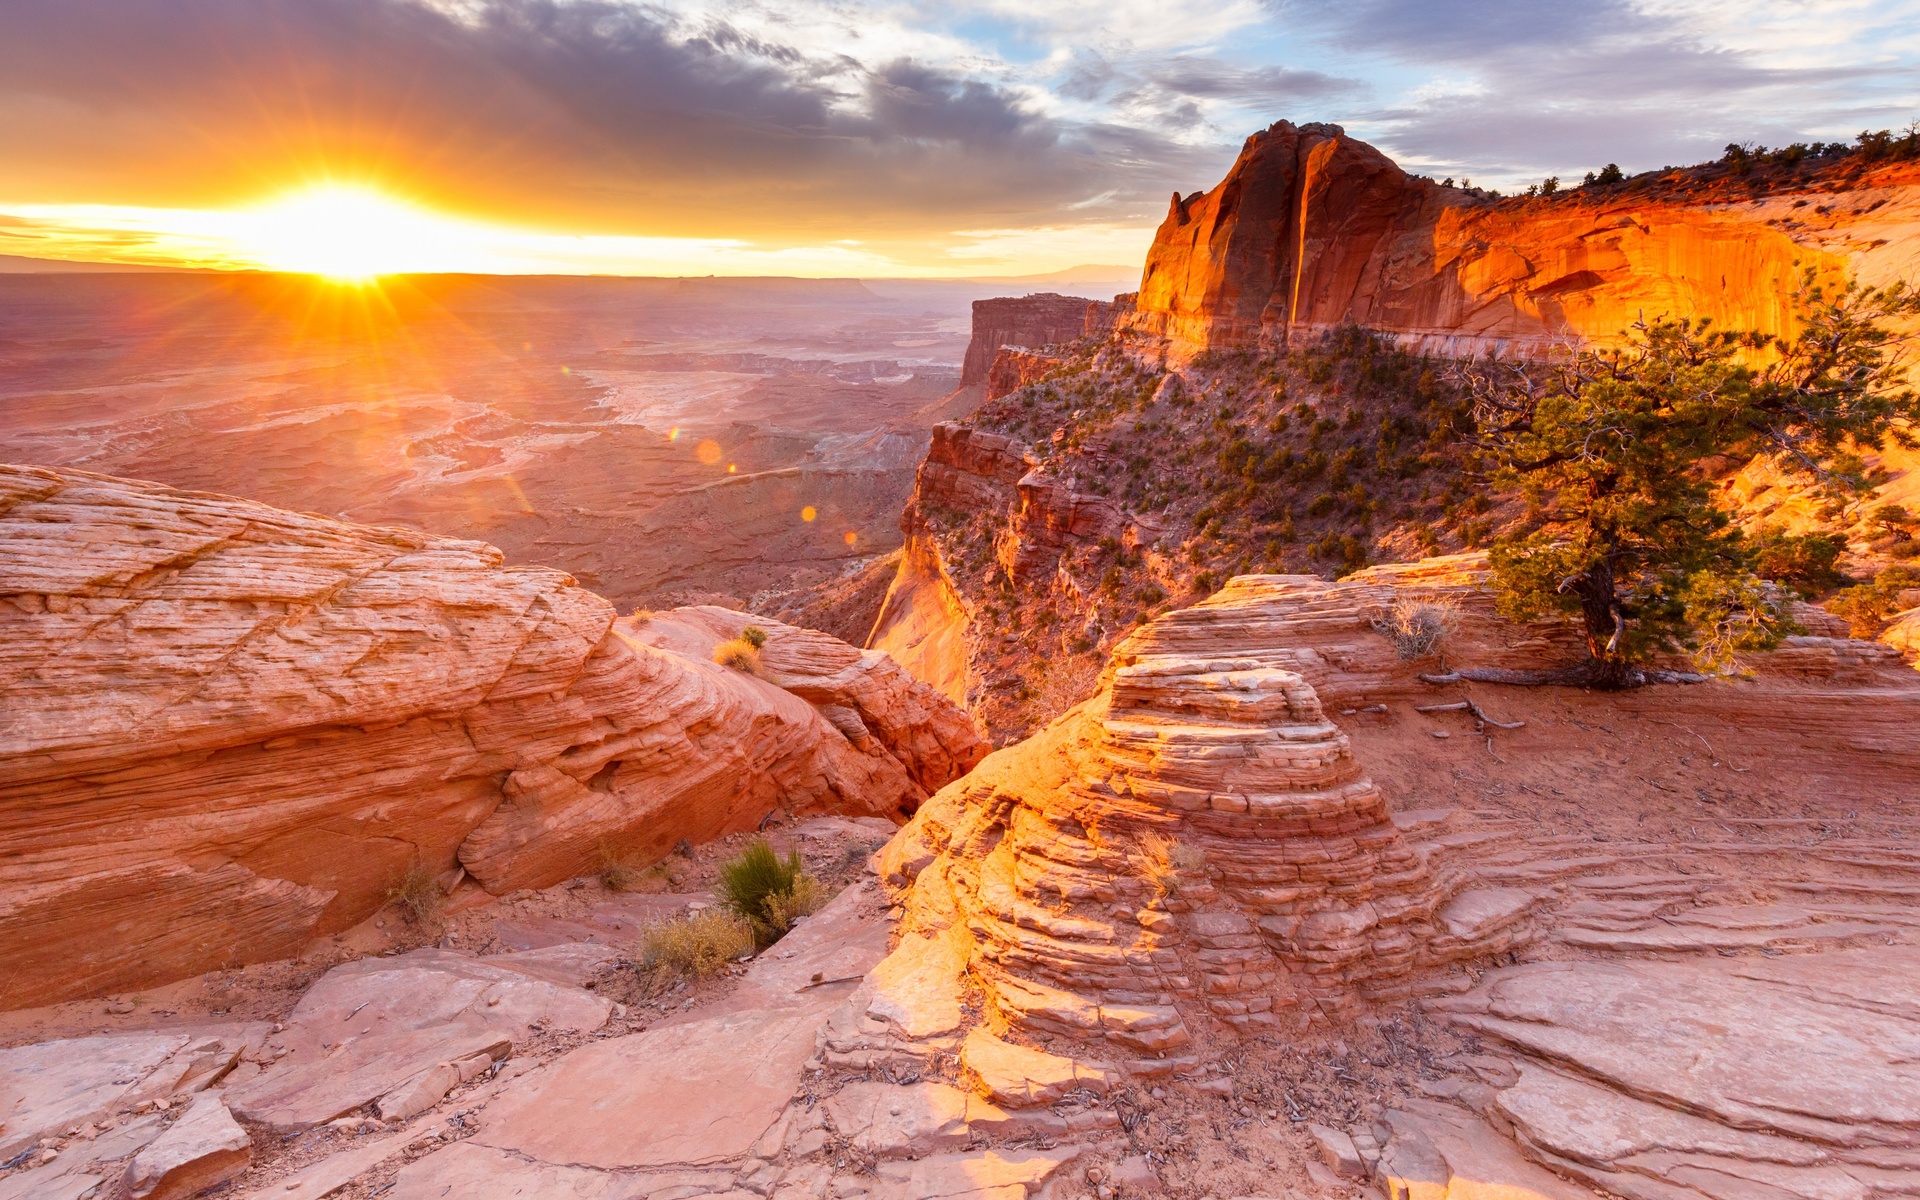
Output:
x=1196 y=841
x=1040 y=319
x=1014 y=368
x=1197 y=847
x=231 y=728
x=1312 y=229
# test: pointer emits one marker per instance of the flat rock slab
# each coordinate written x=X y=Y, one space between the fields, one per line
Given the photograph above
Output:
x=372 y=996
x=296 y=1096
x=370 y=1026
x=891 y=1121
x=202 y=1149
x=465 y=1171
x=1823 y=1046
x=697 y=1093
x=50 y=1087
x=1439 y=1152
x=983 y=1175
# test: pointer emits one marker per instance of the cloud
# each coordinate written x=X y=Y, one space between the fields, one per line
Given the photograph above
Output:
x=1532 y=88
x=617 y=115
x=800 y=122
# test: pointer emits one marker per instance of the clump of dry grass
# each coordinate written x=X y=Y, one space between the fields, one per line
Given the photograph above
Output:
x=618 y=870
x=740 y=654
x=1417 y=627
x=691 y=946
x=1167 y=862
x=417 y=895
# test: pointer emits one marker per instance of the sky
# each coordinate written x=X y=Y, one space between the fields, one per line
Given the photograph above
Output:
x=843 y=137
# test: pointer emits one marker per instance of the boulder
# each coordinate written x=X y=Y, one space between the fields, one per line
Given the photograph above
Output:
x=187 y=673
x=204 y=1148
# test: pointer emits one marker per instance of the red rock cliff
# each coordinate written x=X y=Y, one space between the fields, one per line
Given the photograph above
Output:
x=1041 y=319
x=1312 y=229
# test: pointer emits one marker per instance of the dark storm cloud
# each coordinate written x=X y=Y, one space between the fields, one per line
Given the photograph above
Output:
x=1565 y=85
x=598 y=110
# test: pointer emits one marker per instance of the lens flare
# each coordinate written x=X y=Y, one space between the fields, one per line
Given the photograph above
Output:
x=345 y=233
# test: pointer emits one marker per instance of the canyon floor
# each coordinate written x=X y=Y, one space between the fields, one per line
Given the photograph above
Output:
x=658 y=439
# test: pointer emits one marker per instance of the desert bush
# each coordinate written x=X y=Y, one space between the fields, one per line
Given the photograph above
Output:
x=740 y=654
x=692 y=945
x=618 y=871
x=1804 y=560
x=768 y=891
x=1166 y=862
x=1417 y=627
x=416 y=894
x=754 y=636
x=1868 y=606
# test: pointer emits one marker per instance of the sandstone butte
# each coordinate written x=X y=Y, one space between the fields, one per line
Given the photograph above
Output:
x=231 y=729
x=1312 y=229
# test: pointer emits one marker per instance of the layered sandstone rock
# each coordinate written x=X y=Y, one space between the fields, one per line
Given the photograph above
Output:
x=231 y=728
x=923 y=622
x=1032 y=321
x=1015 y=367
x=1196 y=847
x=1312 y=229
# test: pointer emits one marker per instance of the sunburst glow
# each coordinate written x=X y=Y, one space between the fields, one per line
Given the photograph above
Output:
x=346 y=233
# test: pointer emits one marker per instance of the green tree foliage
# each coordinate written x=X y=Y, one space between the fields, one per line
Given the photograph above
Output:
x=1868 y=606
x=1806 y=561
x=1616 y=443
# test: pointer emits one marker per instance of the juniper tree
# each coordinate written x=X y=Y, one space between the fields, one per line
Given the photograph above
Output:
x=1613 y=447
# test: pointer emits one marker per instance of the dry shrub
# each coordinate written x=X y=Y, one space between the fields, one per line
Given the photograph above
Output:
x=1167 y=861
x=754 y=636
x=417 y=895
x=1061 y=683
x=691 y=946
x=740 y=654
x=801 y=900
x=1417 y=627
x=618 y=871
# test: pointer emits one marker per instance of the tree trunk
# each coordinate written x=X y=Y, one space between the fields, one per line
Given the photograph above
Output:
x=1607 y=667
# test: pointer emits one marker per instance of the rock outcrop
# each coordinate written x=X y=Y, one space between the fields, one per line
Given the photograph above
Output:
x=1031 y=321
x=1312 y=229
x=230 y=729
x=1197 y=848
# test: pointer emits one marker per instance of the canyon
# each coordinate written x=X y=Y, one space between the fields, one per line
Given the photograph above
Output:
x=1152 y=861
x=1277 y=396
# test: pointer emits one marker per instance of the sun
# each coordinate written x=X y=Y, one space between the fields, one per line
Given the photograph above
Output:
x=346 y=233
